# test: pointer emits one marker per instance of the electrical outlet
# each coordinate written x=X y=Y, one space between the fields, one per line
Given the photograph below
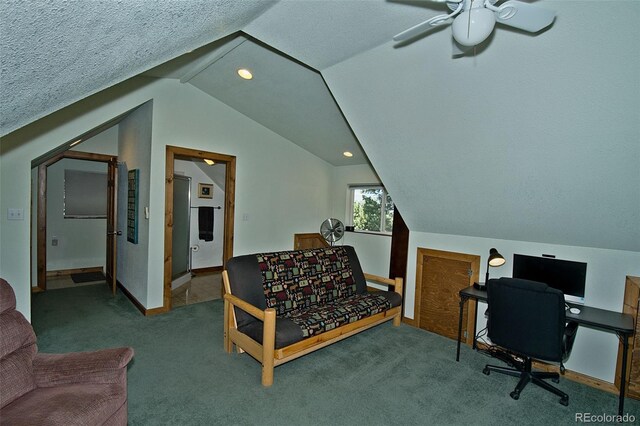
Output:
x=15 y=214
x=54 y=241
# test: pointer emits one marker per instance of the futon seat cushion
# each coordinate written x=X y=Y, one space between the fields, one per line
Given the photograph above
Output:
x=304 y=323
x=321 y=318
x=78 y=404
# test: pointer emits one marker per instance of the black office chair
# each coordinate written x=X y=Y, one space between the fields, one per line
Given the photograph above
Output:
x=527 y=318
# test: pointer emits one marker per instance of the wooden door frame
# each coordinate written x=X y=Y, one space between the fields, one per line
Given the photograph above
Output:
x=229 y=209
x=473 y=259
x=41 y=219
x=111 y=265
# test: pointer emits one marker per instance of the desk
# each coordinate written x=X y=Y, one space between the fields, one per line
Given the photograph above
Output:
x=601 y=319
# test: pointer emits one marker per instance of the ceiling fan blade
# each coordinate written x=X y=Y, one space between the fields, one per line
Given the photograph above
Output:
x=524 y=16
x=422 y=27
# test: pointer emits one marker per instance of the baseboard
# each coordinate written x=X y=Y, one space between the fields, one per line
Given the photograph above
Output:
x=146 y=312
x=410 y=321
x=578 y=377
x=131 y=297
x=64 y=272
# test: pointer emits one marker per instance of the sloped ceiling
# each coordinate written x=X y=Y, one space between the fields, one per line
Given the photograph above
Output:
x=536 y=138
x=285 y=96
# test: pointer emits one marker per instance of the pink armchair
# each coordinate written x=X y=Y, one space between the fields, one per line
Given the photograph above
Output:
x=81 y=388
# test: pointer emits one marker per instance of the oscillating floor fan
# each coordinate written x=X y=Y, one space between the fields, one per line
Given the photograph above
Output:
x=332 y=230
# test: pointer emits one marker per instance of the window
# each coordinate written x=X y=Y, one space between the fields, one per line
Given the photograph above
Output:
x=371 y=209
x=85 y=194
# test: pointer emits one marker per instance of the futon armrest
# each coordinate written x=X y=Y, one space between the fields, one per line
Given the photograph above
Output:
x=396 y=283
x=245 y=306
x=103 y=366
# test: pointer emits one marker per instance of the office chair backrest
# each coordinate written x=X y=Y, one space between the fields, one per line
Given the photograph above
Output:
x=526 y=317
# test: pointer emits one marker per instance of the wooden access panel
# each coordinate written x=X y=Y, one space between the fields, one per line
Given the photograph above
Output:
x=631 y=306
x=309 y=241
x=440 y=277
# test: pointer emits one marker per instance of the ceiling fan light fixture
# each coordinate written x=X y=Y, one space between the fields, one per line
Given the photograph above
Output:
x=473 y=26
x=245 y=73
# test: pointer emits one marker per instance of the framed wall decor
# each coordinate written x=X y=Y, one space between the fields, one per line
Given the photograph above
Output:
x=133 y=179
x=205 y=190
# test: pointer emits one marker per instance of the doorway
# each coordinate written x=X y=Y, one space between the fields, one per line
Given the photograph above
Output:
x=175 y=216
x=109 y=200
x=181 y=247
x=440 y=276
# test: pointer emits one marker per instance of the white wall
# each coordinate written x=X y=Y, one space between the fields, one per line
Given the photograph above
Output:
x=81 y=242
x=595 y=352
x=209 y=253
x=134 y=152
x=374 y=251
x=105 y=142
x=280 y=188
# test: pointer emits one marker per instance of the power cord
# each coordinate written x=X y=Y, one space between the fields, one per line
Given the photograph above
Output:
x=497 y=352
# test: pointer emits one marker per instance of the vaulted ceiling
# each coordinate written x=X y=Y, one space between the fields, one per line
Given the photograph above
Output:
x=532 y=138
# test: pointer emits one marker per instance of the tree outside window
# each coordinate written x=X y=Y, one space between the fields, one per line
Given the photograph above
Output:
x=371 y=209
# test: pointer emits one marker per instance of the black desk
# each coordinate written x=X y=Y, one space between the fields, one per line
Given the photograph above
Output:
x=601 y=319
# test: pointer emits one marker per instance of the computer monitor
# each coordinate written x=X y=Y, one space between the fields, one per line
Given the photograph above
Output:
x=565 y=275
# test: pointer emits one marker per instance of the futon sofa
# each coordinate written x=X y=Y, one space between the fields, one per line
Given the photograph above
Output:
x=282 y=305
x=81 y=388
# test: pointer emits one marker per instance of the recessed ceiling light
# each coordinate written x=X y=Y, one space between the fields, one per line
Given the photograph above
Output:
x=245 y=73
x=209 y=162
x=347 y=154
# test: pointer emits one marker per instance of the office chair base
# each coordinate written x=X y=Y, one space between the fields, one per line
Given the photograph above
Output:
x=526 y=375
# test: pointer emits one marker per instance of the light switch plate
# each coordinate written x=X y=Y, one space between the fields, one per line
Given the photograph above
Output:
x=15 y=214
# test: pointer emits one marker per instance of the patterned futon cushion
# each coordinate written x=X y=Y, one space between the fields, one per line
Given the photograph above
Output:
x=321 y=318
x=294 y=280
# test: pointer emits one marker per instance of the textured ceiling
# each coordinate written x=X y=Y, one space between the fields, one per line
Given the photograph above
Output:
x=56 y=52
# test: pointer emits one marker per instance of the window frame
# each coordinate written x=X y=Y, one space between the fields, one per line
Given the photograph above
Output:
x=351 y=188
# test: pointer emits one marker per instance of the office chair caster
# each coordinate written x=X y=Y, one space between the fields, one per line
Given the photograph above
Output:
x=486 y=371
x=564 y=401
x=515 y=395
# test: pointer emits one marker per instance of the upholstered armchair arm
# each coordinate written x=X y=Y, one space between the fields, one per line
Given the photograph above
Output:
x=104 y=366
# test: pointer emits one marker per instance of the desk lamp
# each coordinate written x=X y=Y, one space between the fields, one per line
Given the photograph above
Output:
x=495 y=259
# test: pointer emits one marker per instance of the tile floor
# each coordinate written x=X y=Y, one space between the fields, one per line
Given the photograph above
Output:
x=202 y=288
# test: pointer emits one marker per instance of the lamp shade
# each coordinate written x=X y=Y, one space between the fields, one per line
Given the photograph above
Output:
x=495 y=258
x=473 y=26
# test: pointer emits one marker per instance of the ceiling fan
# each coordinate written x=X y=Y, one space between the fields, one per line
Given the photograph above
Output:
x=473 y=20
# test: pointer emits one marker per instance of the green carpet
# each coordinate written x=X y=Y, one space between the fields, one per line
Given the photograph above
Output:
x=384 y=376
